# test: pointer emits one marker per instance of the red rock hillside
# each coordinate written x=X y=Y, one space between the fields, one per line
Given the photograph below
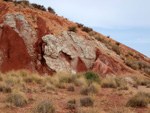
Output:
x=40 y=41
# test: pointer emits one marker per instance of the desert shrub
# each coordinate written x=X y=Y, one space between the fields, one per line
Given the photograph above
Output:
x=116 y=49
x=5 y=88
x=13 y=80
x=81 y=81
x=141 y=99
x=1 y=77
x=40 y=7
x=92 y=77
x=8 y=0
x=22 y=2
x=129 y=62
x=50 y=87
x=87 y=101
x=65 y=77
x=117 y=43
x=87 y=29
x=73 y=29
x=71 y=104
x=61 y=85
x=94 y=88
x=44 y=106
x=109 y=82
x=131 y=53
x=18 y=98
x=51 y=10
x=147 y=70
x=123 y=87
x=80 y=25
x=34 y=78
x=70 y=88
x=141 y=81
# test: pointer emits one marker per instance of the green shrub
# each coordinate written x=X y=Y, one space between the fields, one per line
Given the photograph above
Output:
x=141 y=99
x=92 y=77
x=45 y=106
x=87 y=101
x=18 y=98
x=73 y=29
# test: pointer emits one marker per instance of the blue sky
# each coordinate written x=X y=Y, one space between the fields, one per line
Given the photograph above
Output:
x=127 y=21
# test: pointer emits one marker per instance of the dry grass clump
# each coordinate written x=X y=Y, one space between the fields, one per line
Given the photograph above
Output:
x=71 y=88
x=141 y=81
x=18 y=98
x=5 y=88
x=141 y=99
x=90 y=110
x=81 y=81
x=73 y=29
x=71 y=104
x=64 y=77
x=87 y=101
x=93 y=88
x=109 y=82
x=50 y=87
x=45 y=106
x=34 y=78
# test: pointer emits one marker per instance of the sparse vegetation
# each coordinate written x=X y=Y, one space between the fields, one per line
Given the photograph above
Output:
x=73 y=29
x=86 y=29
x=18 y=98
x=94 y=88
x=45 y=106
x=87 y=101
x=70 y=88
x=141 y=99
x=92 y=77
x=51 y=10
x=109 y=82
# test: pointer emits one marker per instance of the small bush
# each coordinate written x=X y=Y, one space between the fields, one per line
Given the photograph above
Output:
x=50 y=87
x=81 y=82
x=71 y=104
x=109 y=82
x=92 y=77
x=18 y=98
x=40 y=7
x=70 y=88
x=34 y=78
x=45 y=106
x=87 y=29
x=87 y=101
x=116 y=49
x=73 y=29
x=147 y=70
x=80 y=25
x=141 y=99
x=129 y=62
x=94 y=88
x=4 y=88
x=51 y=10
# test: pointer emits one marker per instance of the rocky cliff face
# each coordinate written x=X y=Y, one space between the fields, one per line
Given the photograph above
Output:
x=25 y=45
